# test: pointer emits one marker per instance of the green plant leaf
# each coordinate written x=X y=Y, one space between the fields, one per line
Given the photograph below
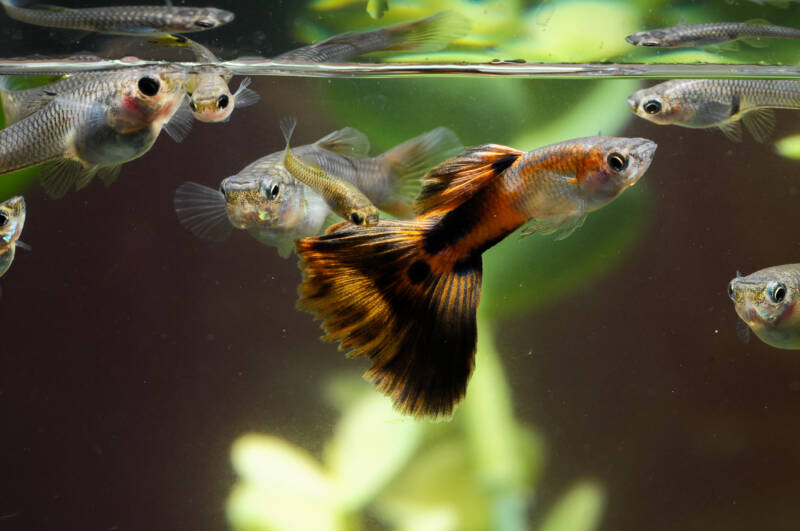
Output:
x=789 y=147
x=580 y=509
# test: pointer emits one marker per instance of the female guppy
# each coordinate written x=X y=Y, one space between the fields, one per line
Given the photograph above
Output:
x=121 y=20
x=91 y=129
x=12 y=218
x=695 y=35
x=722 y=103
x=767 y=301
x=276 y=209
x=405 y=293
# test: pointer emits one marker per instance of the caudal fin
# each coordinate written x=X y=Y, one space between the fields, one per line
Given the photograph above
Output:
x=379 y=294
x=428 y=34
x=406 y=163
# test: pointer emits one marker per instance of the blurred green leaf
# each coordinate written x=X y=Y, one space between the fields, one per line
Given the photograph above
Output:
x=789 y=147
x=370 y=445
x=580 y=509
x=376 y=8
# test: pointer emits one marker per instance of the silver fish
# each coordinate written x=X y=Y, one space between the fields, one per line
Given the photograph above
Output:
x=722 y=103
x=696 y=35
x=12 y=218
x=122 y=20
x=93 y=127
x=767 y=302
x=276 y=209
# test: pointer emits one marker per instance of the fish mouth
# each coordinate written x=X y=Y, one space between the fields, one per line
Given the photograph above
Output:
x=632 y=39
x=632 y=103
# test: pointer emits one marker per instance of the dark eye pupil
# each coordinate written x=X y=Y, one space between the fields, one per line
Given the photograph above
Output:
x=652 y=107
x=617 y=162
x=149 y=86
x=275 y=190
x=223 y=101
x=3 y=219
x=778 y=293
x=357 y=219
x=203 y=24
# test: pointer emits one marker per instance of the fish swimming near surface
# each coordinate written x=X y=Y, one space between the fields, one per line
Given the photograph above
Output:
x=121 y=20
x=93 y=127
x=12 y=218
x=276 y=209
x=405 y=293
x=767 y=301
x=721 y=103
x=342 y=196
x=697 y=35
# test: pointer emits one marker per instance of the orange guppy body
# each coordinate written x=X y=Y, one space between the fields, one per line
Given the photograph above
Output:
x=405 y=293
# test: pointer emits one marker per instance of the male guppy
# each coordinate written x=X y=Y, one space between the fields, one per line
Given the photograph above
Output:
x=276 y=209
x=121 y=20
x=12 y=218
x=722 y=103
x=405 y=293
x=112 y=118
x=767 y=301
x=695 y=35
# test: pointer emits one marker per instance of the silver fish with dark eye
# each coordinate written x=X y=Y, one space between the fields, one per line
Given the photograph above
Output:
x=767 y=302
x=696 y=35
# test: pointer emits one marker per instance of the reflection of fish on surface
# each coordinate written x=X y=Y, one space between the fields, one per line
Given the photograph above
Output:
x=91 y=128
x=12 y=218
x=722 y=103
x=405 y=293
x=767 y=302
x=276 y=209
x=121 y=20
x=695 y=35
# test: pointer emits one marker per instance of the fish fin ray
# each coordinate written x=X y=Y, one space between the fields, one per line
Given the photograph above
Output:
x=109 y=174
x=456 y=180
x=429 y=34
x=347 y=141
x=201 y=210
x=742 y=331
x=732 y=129
x=181 y=122
x=24 y=246
x=562 y=226
x=760 y=123
x=245 y=97
x=377 y=296
x=61 y=175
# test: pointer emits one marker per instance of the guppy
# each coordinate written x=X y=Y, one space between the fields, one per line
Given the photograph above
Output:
x=106 y=120
x=722 y=103
x=276 y=209
x=12 y=218
x=341 y=196
x=405 y=293
x=122 y=20
x=767 y=301
x=695 y=35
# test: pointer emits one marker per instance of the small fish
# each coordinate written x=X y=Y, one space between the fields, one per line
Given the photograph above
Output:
x=12 y=218
x=696 y=35
x=122 y=20
x=276 y=209
x=722 y=103
x=767 y=302
x=340 y=195
x=93 y=127
x=405 y=293
x=429 y=34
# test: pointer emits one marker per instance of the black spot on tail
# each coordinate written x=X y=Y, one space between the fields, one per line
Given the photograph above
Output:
x=418 y=271
x=501 y=164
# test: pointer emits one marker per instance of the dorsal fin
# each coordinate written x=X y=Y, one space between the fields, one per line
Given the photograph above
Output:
x=348 y=141
x=454 y=181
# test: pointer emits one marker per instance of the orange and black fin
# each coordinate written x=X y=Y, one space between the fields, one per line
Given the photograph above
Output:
x=379 y=294
x=454 y=181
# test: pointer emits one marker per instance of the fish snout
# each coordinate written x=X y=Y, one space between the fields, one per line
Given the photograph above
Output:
x=632 y=102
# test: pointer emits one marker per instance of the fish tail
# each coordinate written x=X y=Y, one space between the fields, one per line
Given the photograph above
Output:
x=288 y=123
x=428 y=34
x=406 y=163
x=380 y=294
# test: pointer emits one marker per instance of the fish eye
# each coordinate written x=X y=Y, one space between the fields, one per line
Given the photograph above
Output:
x=274 y=191
x=149 y=86
x=3 y=219
x=652 y=107
x=617 y=161
x=204 y=24
x=357 y=218
x=731 y=292
x=776 y=291
x=223 y=101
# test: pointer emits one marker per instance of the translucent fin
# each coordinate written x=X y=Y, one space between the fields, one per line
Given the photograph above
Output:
x=288 y=123
x=742 y=331
x=285 y=248
x=454 y=181
x=760 y=123
x=377 y=295
x=407 y=163
x=64 y=174
x=202 y=211
x=109 y=174
x=22 y=245
x=732 y=129
x=347 y=141
x=244 y=97
x=430 y=34
x=180 y=124
x=727 y=46
x=561 y=226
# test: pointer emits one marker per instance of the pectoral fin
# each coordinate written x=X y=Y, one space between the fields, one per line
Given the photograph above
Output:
x=760 y=123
